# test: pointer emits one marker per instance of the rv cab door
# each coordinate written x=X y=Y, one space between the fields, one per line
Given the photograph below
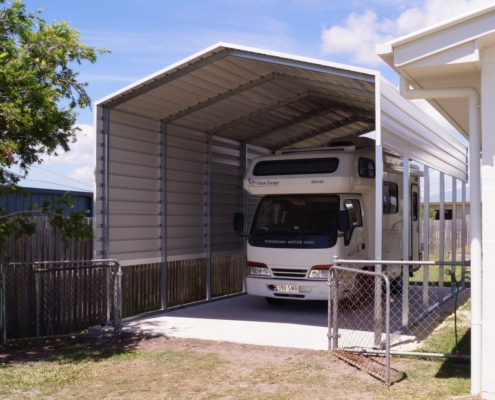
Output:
x=355 y=243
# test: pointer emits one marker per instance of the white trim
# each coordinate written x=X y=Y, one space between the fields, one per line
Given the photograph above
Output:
x=388 y=47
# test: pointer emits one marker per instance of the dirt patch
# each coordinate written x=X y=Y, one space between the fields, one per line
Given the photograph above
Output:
x=142 y=366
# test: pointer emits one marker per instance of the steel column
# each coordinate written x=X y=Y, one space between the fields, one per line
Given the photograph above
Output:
x=163 y=216
x=105 y=203
x=426 y=236
x=378 y=211
x=441 y=256
x=453 y=247
x=406 y=237
x=208 y=216
x=245 y=209
x=463 y=235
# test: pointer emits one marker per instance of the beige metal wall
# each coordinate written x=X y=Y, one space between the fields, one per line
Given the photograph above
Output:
x=203 y=181
x=133 y=190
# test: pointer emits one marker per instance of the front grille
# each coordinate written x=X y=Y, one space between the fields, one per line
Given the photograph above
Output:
x=289 y=273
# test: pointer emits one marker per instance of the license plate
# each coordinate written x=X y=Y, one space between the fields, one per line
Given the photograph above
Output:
x=288 y=288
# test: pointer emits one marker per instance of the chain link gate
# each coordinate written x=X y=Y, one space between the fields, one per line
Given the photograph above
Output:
x=425 y=313
x=60 y=299
x=359 y=319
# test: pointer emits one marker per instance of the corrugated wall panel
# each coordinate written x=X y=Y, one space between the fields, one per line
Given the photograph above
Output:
x=410 y=133
x=133 y=186
x=226 y=177
x=186 y=192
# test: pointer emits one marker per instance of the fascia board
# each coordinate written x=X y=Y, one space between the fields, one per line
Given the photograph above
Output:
x=443 y=40
x=463 y=53
x=387 y=48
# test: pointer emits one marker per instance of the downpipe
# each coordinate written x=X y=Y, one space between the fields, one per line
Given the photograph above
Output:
x=475 y=194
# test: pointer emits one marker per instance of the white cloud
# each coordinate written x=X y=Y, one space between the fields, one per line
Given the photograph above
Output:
x=356 y=37
x=81 y=152
x=84 y=175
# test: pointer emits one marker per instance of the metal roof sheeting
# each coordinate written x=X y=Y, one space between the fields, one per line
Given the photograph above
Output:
x=277 y=101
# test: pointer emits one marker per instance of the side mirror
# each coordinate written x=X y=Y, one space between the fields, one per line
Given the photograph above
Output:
x=238 y=222
x=344 y=221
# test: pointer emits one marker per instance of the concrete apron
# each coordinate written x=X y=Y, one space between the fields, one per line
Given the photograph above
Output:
x=244 y=319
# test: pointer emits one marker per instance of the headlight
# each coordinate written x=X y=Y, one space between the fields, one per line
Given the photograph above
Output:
x=319 y=272
x=257 y=269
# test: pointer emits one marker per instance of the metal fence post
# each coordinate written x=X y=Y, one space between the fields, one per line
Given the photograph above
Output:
x=4 y=308
x=333 y=308
x=378 y=307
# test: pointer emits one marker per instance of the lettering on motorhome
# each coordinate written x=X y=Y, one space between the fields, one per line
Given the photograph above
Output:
x=272 y=241
x=253 y=182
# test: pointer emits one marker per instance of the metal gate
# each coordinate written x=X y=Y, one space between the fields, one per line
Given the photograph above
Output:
x=58 y=299
x=359 y=319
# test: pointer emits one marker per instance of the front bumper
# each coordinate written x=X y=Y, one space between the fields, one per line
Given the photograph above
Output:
x=308 y=289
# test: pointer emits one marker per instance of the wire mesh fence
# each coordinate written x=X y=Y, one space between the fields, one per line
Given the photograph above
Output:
x=406 y=310
x=57 y=299
x=431 y=310
x=359 y=319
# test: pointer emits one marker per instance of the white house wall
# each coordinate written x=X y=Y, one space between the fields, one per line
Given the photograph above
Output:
x=488 y=196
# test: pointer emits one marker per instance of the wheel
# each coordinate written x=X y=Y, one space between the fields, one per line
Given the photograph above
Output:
x=396 y=285
x=275 y=302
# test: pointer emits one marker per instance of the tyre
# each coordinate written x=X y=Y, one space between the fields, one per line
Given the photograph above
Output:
x=396 y=285
x=275 y=302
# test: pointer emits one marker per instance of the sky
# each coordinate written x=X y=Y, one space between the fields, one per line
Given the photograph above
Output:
x=145 y=36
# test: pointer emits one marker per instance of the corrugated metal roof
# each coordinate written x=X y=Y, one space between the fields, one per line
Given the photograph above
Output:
x=277 y=101
x=266 y=99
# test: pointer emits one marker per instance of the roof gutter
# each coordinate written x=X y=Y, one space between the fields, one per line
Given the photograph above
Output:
x=475 y=192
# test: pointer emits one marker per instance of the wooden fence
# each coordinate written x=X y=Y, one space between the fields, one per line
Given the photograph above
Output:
x=434 y=241
x=46 y=245
x=186 y=282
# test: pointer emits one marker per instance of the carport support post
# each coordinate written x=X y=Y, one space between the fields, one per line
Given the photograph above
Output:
x=208 y=218
x=245 y=210
x=163 y=219
x=105 y=214
x=426 y=237
x=406 y=237
x=454 y=233
x=463 y=236
x=106 y=154
x=378 y=211
x=441 y=255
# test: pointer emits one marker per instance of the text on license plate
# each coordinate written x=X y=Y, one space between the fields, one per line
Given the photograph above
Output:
x=288 y=288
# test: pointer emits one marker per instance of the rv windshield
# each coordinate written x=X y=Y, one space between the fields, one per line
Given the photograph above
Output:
x=298 y=221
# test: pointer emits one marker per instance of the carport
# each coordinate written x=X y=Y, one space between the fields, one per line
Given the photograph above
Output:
x=172 y=149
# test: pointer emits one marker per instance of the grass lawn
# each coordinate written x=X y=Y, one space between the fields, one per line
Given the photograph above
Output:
x=137 y=367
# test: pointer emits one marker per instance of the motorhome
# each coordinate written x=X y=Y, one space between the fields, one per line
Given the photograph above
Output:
x=318 y=203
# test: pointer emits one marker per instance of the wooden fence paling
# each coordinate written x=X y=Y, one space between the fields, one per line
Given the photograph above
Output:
x=46 y=245
x=140 y=289
x=434 y=240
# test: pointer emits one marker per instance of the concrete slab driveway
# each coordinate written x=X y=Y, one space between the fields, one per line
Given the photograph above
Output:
x=244 y=319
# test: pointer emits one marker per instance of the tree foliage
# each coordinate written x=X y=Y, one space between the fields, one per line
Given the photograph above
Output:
x=39 y=92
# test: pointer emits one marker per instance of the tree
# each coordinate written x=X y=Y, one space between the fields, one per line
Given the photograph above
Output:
x=36 y=79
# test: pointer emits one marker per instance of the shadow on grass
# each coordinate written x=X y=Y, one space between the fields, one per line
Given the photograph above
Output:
x=69 y=350
x=457 y=368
